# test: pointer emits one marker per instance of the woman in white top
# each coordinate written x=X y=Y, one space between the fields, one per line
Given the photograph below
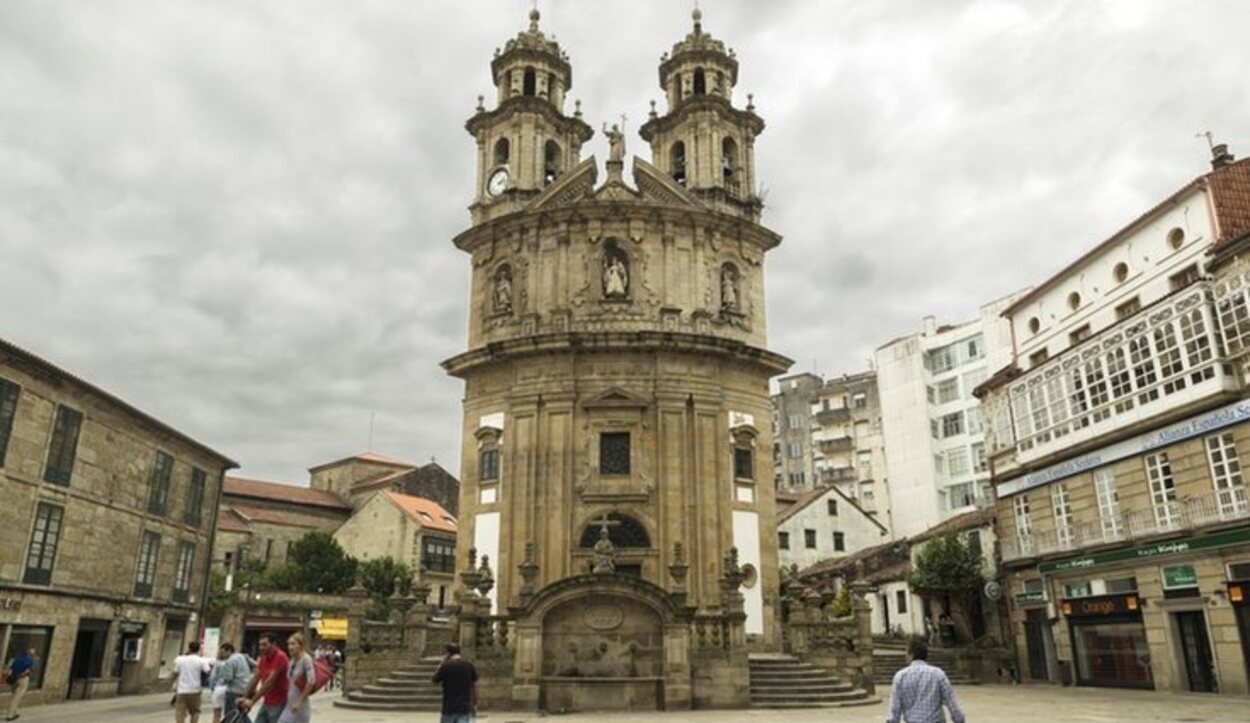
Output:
x=300 y=671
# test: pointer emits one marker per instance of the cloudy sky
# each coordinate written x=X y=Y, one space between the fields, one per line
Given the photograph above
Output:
x=237 y=215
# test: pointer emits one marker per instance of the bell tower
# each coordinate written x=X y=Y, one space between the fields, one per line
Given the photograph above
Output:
x=526 y=141
x=705 y=143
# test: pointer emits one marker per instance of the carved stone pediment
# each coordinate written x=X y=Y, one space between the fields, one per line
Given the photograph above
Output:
x=570 y=188
x=615 y=398
x=656 y=185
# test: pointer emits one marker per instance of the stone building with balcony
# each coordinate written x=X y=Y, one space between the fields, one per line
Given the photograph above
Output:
x=848 y=451
x=1117 y=437
x=107 y=525
x=793 y=447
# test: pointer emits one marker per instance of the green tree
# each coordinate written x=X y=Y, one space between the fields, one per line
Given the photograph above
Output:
x=378 y=577
x=949 y=567
x=315 y=563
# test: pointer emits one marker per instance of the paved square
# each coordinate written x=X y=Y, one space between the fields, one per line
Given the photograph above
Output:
x=983 y=704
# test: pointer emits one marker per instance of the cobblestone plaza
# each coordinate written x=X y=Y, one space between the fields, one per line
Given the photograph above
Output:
x=999 y=704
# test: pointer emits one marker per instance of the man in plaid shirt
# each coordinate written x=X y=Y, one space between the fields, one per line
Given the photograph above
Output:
x=920 y=690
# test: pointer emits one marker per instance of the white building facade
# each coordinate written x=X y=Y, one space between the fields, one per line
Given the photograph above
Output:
x=824 y=524
x=848 y=449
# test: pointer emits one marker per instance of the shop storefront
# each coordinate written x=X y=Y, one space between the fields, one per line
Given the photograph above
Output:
x=1109 y=645
x=1239 y=597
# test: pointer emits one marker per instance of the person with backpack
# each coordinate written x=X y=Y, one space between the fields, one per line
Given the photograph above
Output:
x=301 y=680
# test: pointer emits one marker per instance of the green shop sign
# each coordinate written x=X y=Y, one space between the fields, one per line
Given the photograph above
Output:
x=1179 y=577
x=1031 y=597
x=1146 y=552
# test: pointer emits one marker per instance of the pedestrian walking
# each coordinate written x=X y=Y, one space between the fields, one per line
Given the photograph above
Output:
x=217 y=686
x=269 y=683
x=301 y=676
x=920 y=690
x=232 y=672
x=188 y=679
x=459 y=680
x=17 y=674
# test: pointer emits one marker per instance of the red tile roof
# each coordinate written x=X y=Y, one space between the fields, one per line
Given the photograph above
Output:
x=1230 y=193
x=276 y=517
x=375 y=457
x=280 y=492
x=426 y=513
x=227 y=521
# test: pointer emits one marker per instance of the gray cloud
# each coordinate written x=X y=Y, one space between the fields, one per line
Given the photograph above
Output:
x=238 y=215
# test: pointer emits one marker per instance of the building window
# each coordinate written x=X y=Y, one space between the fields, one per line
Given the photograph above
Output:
x=158 y=490
x=41 y=556
x=797 y=479
x=953 y=424
x=744 y=463
x=863 y=460
x=975 y=349
x=488 y=464
x=860 y=401
x=1108 y=504
x=961 y=495
x=146 y=575
x=1234 y=315
x=948 y=390
x=1230 y=487
x=940 y=360
x=1184 y=277
x=529 y=82
x=979 y=462
x=935 y=429
x=1062 y=509
x=796 y=450
x=1197 y=345
x=1079 y=334
x=1024 y=527
x=939 y=463
x=809 y=539
x=1121 y=585
x=8 y=410
x=614 y=453
x=900 y=600
x=839 y=542
x=502 y=152
x=1162 y=490
x=1080 y=589
x=833 y=507
x=195 y=497
x=1128 y=308
x=64 y=446
x=182 y=577
x=1038 y=357
x=1145 y=373
x=783 y=540
x=974 y=541
x=796 y=421
x=438 y=554
x=957 y=462
x=623 y=531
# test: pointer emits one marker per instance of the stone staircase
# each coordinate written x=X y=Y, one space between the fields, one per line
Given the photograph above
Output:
x=406 y=689
x=784 y=681
x=889 y=657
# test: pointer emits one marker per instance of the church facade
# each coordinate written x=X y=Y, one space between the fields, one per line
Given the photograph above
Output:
x=616 y=463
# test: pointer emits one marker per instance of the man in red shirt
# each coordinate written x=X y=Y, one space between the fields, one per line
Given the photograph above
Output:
x=269 y=681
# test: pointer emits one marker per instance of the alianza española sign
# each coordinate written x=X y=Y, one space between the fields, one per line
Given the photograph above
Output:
x=1146 y=552
x=1195 y=426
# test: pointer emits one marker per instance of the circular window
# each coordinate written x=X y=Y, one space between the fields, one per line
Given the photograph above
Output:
x=1176 y=238
x=1121 y=272
x=1035 y=325
x=1074 y=301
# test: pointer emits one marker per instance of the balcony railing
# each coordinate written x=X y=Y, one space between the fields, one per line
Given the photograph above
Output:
x=832 y=414
x=837 y=475
x=1188 y=513
x=830 y=445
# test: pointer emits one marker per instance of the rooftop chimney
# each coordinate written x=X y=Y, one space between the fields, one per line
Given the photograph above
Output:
x=1220 y=157
x=930 y=326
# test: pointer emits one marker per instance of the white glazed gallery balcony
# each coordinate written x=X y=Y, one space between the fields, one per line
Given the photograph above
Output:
x=1165 y=356
x=1184 y=514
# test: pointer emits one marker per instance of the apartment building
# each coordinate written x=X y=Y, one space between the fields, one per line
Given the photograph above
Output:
x=792 y=434
x=1117 y=438
x=848 y=450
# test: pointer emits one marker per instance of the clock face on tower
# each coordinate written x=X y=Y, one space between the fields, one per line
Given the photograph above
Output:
x=497 y=183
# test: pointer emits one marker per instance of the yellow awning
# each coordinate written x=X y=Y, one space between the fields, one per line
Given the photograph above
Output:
x=331 y=628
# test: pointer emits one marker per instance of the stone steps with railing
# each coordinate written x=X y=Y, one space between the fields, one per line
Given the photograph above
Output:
x=889 y=657
x=405 y=689
x=784 y=681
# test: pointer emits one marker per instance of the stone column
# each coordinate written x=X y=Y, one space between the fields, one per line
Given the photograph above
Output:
x=357 y=605
x=863 y=632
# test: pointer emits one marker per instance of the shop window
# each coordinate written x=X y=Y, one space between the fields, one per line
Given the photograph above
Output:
x=145 y=576
x=24 y=638
x=1239 y=571
x=41 y=557
x=8 y=410
x=900 y=600
x=158 y=486
x=783 y=541
x=614 y=453
x=1121 y=585
x=1077 y=589
x=195 y=497
x=64 y=446
x=809 y=539
x=839 y=542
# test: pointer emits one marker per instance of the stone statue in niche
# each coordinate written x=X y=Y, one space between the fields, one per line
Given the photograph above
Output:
x=729 y=288
x=615 y=273
x=604 y=560
x=503 y=290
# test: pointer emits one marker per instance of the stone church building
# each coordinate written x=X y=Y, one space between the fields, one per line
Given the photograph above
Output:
x=616 y=377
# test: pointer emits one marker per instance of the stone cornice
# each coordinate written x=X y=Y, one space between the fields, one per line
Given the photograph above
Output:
x=529 y=104
x=616 y=342
x=692 y=105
